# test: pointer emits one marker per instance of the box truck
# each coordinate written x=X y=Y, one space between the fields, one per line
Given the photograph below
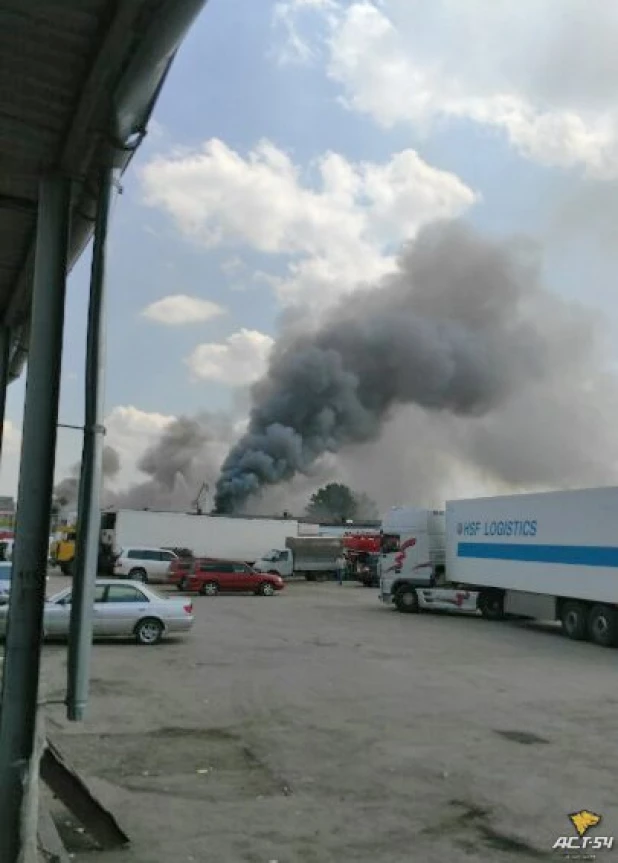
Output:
x=550 y=556
x=222 y=537
x=315 y=557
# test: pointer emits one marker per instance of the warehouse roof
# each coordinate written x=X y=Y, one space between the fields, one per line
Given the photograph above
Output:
x=76 y=77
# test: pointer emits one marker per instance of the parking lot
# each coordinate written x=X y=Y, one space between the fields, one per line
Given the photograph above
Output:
x=318 y=726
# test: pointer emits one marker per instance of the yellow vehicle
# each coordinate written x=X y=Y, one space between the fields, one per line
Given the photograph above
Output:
x=62 y=552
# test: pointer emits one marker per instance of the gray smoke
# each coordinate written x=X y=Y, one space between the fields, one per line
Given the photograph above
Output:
x=67 y=490
x=453 y=331
x=187 y=454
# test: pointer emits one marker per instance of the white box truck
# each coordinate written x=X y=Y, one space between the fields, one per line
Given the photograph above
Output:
x=550 y=556
x=315 y=557
x=222 y=537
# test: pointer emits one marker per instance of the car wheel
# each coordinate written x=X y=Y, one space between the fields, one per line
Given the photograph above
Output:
x=406 y=600
x=209 y=588
x=603 y=625
x=266 y=589
x=574 y=622
x=149 y=631
x=139 y=575
x=182 y=584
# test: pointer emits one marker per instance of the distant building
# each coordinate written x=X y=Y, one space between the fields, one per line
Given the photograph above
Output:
x=7 y=512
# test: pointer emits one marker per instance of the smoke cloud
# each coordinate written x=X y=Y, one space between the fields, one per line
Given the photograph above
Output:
x=188 y=453
x=454 y=331
x=67 y=490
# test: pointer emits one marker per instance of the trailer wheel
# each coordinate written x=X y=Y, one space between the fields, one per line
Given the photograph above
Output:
x=406 y=600
x=491 y=605
x=574 y=621
x=603 y=625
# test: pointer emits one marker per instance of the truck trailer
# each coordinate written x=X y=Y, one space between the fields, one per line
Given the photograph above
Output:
x=315 y=557
x=546 y=556
x=221 y=537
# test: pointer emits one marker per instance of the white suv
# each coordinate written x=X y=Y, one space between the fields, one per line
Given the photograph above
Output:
x=144 y=564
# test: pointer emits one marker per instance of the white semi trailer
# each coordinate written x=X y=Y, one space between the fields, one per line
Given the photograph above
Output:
x=550 y=556
x=224 y=537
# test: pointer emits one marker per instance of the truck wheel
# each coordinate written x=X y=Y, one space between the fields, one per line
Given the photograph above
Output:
x=574 y=622
x=491 y=605
x=603 y=625
x=406 y=600
x=139 y=574
x=209 y=588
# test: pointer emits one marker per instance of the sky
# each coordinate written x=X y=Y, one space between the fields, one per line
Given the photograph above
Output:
x=296 y=146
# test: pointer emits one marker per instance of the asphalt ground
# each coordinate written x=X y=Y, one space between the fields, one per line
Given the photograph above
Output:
x=319 y=726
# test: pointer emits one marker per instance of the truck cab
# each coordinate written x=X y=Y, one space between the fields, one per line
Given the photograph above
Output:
x=62 y=551
x=277 y=561
x=412 y=562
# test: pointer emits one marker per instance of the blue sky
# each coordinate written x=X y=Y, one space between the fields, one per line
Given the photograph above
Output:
x=496 y=138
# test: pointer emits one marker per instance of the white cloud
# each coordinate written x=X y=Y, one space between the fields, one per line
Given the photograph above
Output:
x=541 y=73
x=294 y=48
x=130 y=431
x=241 y=359
x=337 y=230
x=178 y=309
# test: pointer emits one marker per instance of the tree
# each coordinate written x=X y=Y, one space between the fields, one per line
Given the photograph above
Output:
x=334 y=500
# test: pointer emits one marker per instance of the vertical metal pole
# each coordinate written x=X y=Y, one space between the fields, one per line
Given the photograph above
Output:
x=24 y=634
x=5 y=345
x=89 y=506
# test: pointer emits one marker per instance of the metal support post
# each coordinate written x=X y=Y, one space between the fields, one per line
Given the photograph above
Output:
x=5 y=346
x=24 y=634
x=89 y=506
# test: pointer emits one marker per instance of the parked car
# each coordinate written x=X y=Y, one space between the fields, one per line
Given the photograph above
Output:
x=179 y=551
x=210 y=577
x=121 y=608
x=179 y=570
x=144 y=564
x=5 y=581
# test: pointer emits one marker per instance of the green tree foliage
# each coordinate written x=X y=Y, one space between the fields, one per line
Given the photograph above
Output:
x=338 y=502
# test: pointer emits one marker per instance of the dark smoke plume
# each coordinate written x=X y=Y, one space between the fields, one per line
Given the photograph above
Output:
x=67 y=490
x=453 y=331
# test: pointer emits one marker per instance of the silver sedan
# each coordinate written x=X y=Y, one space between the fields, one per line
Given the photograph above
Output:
x=121 y=608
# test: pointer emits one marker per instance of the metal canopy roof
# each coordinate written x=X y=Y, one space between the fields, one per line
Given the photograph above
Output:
x=76 y=77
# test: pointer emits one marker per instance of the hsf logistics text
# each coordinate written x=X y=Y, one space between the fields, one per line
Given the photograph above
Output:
x=498 y=528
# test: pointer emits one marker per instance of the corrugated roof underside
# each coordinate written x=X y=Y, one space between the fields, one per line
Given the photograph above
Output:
x=45 y=51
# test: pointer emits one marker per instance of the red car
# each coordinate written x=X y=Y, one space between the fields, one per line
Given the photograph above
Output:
x=209 y=577
x=179 y=570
